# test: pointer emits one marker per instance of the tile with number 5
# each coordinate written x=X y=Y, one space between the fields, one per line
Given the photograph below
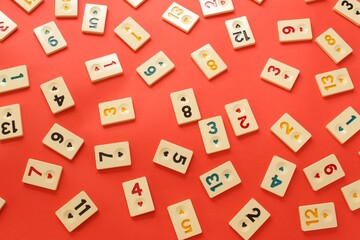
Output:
x=185 y=106
x=10 y=122
x=94 y=19
x=50 y=38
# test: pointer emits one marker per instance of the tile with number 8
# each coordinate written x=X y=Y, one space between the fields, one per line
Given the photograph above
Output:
x=112 y=155
x=138 y=196
x=185 y=106
x=50 y=38
x=63 y=141
x=334 y=82
x=249 y=219
x=66 y=8
x=351 y=193
x=76 y=211
x=7 y=26
x=220 y=179
x=290 y=132
x=317 y=216
x=42 y=174
x=216 y=7
x=155 y=68
x=94 y=19
x=104 y=67
x=324 y=172
x=278 y=176
x=240 y=32
x=29 y=5
x=333 y=45
x=241 y=117
x=209 y=61
x=280 y=74
x=294 y=30
x=349 y=9
x=116 y=111
x=10 y=122
x=184 y=219
x=180 y=17
x=14 y=78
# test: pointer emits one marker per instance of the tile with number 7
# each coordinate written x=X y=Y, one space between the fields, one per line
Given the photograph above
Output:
x=324 y=172
x=138 y=196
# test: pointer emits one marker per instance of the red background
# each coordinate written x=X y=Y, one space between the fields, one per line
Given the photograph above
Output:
x=30 y=211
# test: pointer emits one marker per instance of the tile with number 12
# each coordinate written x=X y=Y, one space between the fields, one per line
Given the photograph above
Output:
x=180 y=17
x=10 y=122
x=240 y=32
x=14 y=78
x=50 y=38
x=216 y=7
x=317 y=216
x=7 y=26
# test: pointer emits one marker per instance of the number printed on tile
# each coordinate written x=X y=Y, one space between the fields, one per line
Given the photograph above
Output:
x=184 y=219
x=50 y=38
x=278 y=176
x=334 y=82
x=132 y=33
x=66 y=8
x=10 y=122
x=116 y=111
x=290 y=132
x=76 y=211
x=135 y=3
x=240 y=32
x=294 y=30
x=63 y=141
x=13 y=78
x=216 y=7
x=349 y=9
x=241 y=117
x=7 y=26
x=104 y=67
x=213 y=134
x=209 y=61
x=94 y=19
x=345 y=125
x=180 y=17
x=138 y=196
x=324 y=172
x=28 y=5
x=351 y=193
x=185 y=106
x=280 y=74
x=155 y=68
x=42 y=174
x=173 y=156
x=249 y=219
x=112 y=155
x=220 y=179
x=333 y=45
x=317 y=216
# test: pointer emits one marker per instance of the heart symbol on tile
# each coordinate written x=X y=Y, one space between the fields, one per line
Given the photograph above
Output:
x=183 y=99
x=140 y=203
x=223 y=2
x=97 y=69
x=227 y=175
x=317 y=175
x=281 y=169
x=69 y=145
x=238 y=110
x=8 y=114
x=49 y=176
x=4 y=80
x=286 y=76
x=166 y=153
x=54 y=88
x=95 y=12
x=70 y=215
x=161 y=63
x=47 y=32
x=244 y=225
x=341 y=129
x=338 y=49
x=66 y=8
x=325 y=215
x=216 y=141
x=123 y=109
x=297 y=136
x=301 y=29
x=237 y=26
x=358 y=12
x=355 y=195
x=120 y=154
x=181 y=212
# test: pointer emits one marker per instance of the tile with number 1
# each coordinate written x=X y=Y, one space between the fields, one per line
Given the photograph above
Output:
x=94 y=19
x=240 y=32
x=138 y=196
x=10 y=122
x=334 y=82
x=180 y=17
x=104 y=67
x=116 y=111
x=29 y=5
x=112 y=155
x=66 y=8
x=185 y=106
x=317 y=216
x=7 y=26
x=216 y=7
x=50 y=38
x=349 y=9
x=14 y=78
x=351 y=193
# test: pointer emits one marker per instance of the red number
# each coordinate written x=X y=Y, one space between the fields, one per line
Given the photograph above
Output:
x=32 y=169
x=274 y=69
x=288 y=30
x=242 y=121
x=213 y=3
x=330 y=168
x=136 y=189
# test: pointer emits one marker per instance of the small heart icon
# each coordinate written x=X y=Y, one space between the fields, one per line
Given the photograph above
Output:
x=216 y=141
x=358 y=12
x=338 y=50
x=325 y=215
x=95 y=12
x=286 y=76
x=54 y=88
x=237 y=26
x=8 y=114
x=120 y=154
x=166 y=153
x=341 y=129
x=161 y=63
x=244 y=225
x=296 y=136
x=301 y=29
x=355 y=195
x=281 y=169
x=97 y=69
x=66 y=8
x=238 y=110
x=317 y=175
x=140 y=203
x=181 y=212
x=227 y=175
x=183 y=99
x=70 y=215
x=4 y=80
x=123 y=109
x=69 y=145
x=223 y=2
x=49 y=176
x=47 y=32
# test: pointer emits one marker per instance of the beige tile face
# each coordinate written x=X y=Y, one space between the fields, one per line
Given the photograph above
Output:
x=2 y=203
x=240 y=32
x=117 y=111
x=334 y=82
x=112 y=155
x=349 y=9
x=7 y=26
x=185 y=106
x=94 y=19
x=294 y=30
x=135 y=3
x=28 y=5
x=14 y=78
x=10 y=122
x=180 y=17
x=317 y=216
x=351 y=193
x=50 y=38
x=184 y=219
x=76 y=211
x=216 y=7
x=104 y=67
x=66 y=8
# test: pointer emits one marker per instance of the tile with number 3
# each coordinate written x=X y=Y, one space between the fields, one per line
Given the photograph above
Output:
x=240 y=32
x=349 y=9
x=10 y=122
x=116 y=111
x=7 y=26
x=317 y=216
x=180 y=17
x=50 y=38
x=185 y=106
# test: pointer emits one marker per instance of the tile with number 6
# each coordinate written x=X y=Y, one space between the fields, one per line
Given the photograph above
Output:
x=351 y=193
x=112 y=155
x=50 y=38
x=240 y=32
x=10 y=122
x=317 y=216
x=185 y=106
x=7 y=26
x=116 y=111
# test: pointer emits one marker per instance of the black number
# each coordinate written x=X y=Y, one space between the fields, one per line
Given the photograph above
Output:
x=238 y=34
x=101 y=155
x=187 y=111
x=59 y=100
x=87 y=207
x=57 y=137
x=5 y=125
x=181 y=159
x=347 y=4
x=252 y=217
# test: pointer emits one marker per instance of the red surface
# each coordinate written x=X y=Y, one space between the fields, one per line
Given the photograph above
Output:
x=30 y=211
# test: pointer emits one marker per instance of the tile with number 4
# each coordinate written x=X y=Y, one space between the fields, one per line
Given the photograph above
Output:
x=280 y=74
x=333 y=45
x=290 y=132
x=10 y=122
x=117 y=111
x=220 y=179
x=155 y=68
x=184 y=219
x=76 y=211
x=50 y=38
x=349 y=9
x=345 y=125
x=13 y=78
x=29 y=5
x=185 y=106
x=135 y=3
x=294 y=30
x=214 y=135
x=94 y=19
x=334 y=82
x=278 y=176
x=351 y=193
x=112 y=155
x=132 y=33
x=241 y=117
x=42 y=174
x=240 y=32
x=63 y=141
x=216 y=7
x=66 y=8
x=104 y=67
x=180 y=17
x=57 y=95
x=317 y=216
x=324 y=172
x=249 y=219
x=7 y=26
x=2 y=203
x=173 y=156
x=209 y=61
x=138 y=196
